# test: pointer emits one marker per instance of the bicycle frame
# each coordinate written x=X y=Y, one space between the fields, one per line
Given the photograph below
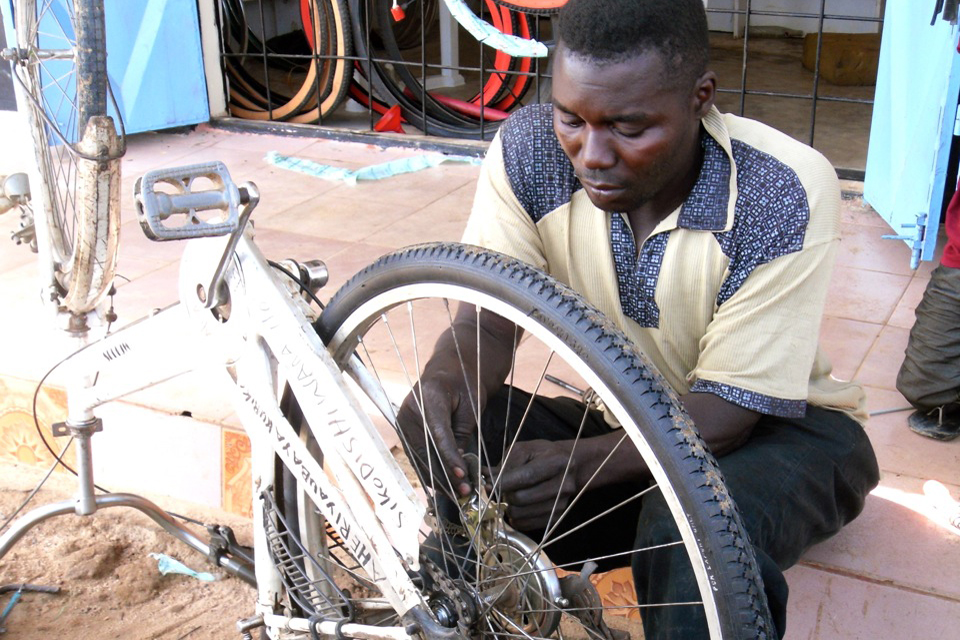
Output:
x=262 y=338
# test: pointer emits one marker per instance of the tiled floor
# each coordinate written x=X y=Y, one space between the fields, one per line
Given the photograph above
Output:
x=893 y=573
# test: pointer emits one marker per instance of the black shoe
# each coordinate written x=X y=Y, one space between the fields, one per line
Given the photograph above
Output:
x=937 y=424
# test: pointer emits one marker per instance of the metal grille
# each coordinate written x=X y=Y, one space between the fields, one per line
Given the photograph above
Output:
x=285 y=65
x=817 y=94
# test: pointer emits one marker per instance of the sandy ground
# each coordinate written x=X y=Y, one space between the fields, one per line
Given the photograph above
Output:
x=109 y=586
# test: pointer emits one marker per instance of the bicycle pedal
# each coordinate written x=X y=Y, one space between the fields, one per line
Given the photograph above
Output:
x=195 y=201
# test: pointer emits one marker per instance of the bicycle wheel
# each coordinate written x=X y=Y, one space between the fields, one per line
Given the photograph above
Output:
x=62 y=68
x=488 y=579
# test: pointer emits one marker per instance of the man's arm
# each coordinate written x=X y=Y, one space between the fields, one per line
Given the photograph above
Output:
x=535 y=474
x=450 y=383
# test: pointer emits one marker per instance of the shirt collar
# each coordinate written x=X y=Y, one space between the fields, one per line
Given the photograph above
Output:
x=710 y=207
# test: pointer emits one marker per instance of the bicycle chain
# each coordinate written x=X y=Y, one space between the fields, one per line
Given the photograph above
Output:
x=448 y=587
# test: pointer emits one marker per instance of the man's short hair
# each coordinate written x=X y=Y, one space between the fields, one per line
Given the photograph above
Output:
x=616 y=30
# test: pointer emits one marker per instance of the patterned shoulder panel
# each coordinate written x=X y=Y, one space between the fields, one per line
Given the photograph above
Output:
x=772 y=213
x=540 y=173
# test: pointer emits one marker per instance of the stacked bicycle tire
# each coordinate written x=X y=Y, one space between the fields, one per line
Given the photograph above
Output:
x=360 y=50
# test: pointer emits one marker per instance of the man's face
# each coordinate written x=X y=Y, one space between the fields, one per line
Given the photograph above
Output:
x=632 y=138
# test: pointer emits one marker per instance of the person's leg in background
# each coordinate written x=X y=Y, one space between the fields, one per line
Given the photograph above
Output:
x=929 y=377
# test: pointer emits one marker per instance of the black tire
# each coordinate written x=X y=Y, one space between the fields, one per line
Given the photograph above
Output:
x=708 y=524
x=78 y=177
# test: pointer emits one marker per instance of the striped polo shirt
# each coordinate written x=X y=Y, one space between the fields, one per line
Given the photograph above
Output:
x=726 y=294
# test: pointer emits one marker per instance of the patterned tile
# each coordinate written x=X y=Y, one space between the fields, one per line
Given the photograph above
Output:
x=237 y=487
x=617 y=592
x=19 y=441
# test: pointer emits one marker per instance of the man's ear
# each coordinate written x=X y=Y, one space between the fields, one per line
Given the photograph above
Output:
x=704 y=93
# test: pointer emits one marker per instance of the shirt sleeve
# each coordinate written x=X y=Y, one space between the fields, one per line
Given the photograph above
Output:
x=498 y=221
x=760 y=346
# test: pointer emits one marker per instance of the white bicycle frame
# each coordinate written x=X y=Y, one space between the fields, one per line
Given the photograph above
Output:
x=267 y=342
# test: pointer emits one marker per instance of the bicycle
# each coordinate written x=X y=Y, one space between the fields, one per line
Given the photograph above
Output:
x=353 y=537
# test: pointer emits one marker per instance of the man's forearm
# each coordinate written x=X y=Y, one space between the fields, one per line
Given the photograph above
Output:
x=486 y=339
x=609 y=459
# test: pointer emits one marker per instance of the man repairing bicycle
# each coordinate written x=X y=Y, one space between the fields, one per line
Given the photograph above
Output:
x=709 y=239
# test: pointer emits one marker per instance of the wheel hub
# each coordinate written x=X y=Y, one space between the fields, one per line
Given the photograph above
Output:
x=512 y=585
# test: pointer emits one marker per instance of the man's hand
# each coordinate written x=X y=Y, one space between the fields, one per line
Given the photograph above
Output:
x=439 y=417
x=440 y=414
x=537 y=484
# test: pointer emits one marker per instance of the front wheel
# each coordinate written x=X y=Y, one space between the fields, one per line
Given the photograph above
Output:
x=480 y=575
x=62 y=70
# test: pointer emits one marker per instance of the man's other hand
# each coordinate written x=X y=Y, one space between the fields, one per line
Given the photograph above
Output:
x=537 y=483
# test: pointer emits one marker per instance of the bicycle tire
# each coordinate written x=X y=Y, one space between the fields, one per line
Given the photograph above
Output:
x=79 y=176
x=709 y=526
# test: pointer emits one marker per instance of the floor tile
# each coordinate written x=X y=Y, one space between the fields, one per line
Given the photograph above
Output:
x=926 y=266
x=281 y=189
x=412 y=190
x=846 y=343
x=827 y=606
x=233 y=141
x=886 y=401
x=359 y=154
x=616 y=589
x=143 y=450
x=443 y=220
x=861 y=294
x=154 y=290
x=277 y=244
x=854 y=210
x=337 y=217
x=903 y=315
x=880 y=367
x=154 y=150
x=139 y=256
x=863 y=247
x=893 y=543
x=12 y=255
x=30 y=342
x=20 y=443
x=196 y=394
x=903 y=452
x=237 y=484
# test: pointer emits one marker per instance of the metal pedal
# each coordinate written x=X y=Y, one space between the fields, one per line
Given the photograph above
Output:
x=170 y=202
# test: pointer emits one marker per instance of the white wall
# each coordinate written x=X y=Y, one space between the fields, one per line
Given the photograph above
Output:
x=16 y=149
x=15 y=144
x=860 y=8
